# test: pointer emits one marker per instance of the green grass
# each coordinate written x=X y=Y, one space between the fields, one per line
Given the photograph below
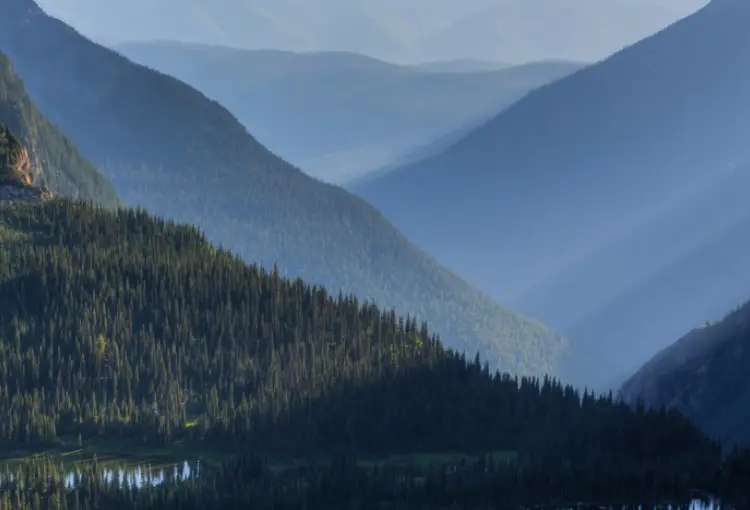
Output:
x=112 y=453
x=124 y=454
x=10 y=235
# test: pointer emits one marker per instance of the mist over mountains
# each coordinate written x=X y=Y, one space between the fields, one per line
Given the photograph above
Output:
x=579 y=163
x=703 y=375
x=405 y=32
x=341 y=115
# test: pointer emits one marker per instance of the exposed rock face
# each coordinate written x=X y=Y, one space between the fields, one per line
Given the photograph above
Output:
x=17 y=175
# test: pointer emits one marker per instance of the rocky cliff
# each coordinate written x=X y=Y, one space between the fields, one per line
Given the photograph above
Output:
x=18 y=177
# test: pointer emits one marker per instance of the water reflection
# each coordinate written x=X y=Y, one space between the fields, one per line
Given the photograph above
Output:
x=143 y=475
x=699 y=505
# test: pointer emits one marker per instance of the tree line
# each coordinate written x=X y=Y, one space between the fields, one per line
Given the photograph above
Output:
x=118 y=325
x=249 y=482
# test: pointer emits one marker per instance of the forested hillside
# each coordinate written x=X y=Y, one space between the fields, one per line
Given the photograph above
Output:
x=52 y=157
x=704 y=375
x=142 y=313
x=131 y=329
x=168 y=148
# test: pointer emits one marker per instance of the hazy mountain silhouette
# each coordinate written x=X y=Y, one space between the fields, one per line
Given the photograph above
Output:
x=168 y=148
x=579 y=162
x=406 y=32
x=418 y=153
x=338 y=115
x=459 y=65
x=703 y=375
x=686 y=265
x=523 y=31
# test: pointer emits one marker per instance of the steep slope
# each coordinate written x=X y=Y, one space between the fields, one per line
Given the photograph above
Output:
x=614 y=339
x=650 y=283
x=704 y=375
x=18 y=178
x=14 y=159
x=577 y=164
x=335 y=114
x=168 y=148
x=576 y=159
x=51 y=158
x=417 y=153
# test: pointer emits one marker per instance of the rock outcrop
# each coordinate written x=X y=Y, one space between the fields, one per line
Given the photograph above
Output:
x=18 y=178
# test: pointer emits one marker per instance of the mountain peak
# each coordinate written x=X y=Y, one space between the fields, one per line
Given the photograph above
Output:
x=20 y=7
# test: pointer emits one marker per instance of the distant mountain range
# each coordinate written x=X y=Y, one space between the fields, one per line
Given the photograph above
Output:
x=703 y=375
x=340 y=115
x=168 y=148
x=459 y=65
x=544 y=187
x=529 y=30
x=405 y=32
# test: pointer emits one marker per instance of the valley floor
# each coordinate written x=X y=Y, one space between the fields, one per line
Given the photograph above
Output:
x=124 y=454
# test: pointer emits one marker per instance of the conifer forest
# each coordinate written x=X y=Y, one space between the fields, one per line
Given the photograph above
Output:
x=120 y=327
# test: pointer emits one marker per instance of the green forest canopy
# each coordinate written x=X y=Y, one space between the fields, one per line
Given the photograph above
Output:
x=108 y=314
x=119 y=325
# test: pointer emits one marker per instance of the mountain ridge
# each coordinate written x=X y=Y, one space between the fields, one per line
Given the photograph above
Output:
x=514 y=31
x=169 y=149
x=339 y=115
x=695 y=253
x=702 y=375
x=581 y=159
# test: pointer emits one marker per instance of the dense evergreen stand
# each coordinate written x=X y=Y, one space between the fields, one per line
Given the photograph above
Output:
x=124 y=327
